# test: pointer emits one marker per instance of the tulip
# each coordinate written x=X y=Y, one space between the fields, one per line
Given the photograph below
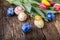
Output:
x=50 y=16
x=46 y=2
x=10 y=11
x=43 y=6
x=57 y=7
x=26 y=27
x=51 y=3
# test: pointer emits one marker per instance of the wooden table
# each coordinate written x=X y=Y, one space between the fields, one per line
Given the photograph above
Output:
x=10 y=27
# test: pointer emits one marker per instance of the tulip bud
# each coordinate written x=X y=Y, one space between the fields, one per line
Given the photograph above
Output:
x=50 y=16
x=26 y=27
x=22 y=16
x=57 y=7
x=43 y=6
x=46 y=2
x=18 y=10
x=51 y=3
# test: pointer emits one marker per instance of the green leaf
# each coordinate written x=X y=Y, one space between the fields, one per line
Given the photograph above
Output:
x=32 y=14
x=15 y=2
x=27 y=7
x=46 y=11
x=38 y=0
x=39 y=12
x=34 y=2
x=10 y=1
x=57 y=1
x=51 y=8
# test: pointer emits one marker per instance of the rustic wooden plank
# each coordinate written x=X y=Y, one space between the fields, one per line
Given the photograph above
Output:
x=8 y=29
x=1 y=21
x=52 y=29
x=18 y=35
x=57 y=22
x=35 y=34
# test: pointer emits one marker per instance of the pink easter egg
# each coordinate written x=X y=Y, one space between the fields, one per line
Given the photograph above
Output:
x=18 y=10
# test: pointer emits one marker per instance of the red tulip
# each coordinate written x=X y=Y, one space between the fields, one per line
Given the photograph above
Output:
x=57 y=7
x=51 y=3
x=43 y=6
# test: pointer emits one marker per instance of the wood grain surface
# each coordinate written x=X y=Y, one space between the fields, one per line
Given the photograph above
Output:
x=10 y=27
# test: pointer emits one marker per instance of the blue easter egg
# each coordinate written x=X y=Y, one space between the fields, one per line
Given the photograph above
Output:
x=26 y=27
x=50 y=16
x=10 y=11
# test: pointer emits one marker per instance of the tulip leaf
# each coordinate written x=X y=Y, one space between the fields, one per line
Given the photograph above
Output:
x=39 y=12
x=32 y=14
x=27 y=7
x=51 y=8
x=10 y=1
x=15 y=2
x=34 y=2
x=46 y=11
x=57 y=1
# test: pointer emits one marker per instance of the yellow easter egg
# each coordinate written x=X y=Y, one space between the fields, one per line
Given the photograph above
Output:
x=39 y=23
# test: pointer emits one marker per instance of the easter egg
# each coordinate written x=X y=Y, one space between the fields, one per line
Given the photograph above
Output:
x=43 y=6
x=10 y=11
x=50 y=16
x=26 y=27
x=39 y=23
x=22 y=16
x=18 y=10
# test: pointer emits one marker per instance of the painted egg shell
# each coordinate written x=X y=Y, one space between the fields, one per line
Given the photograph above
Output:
x=26 y=27
x=18 y=9
x=22 y=16
x=50 y=16
x=10 y=11
x=39 y=23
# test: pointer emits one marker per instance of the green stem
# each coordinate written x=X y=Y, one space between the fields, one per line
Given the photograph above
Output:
x=40 y=13
x=46 y=11
x=34 y=2
x=32 y=14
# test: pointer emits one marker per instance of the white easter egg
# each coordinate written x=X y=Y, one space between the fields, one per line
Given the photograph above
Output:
x=18 y=9
x=22 y=16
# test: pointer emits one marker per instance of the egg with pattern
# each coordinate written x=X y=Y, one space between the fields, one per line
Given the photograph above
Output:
x=10 y=11
x=39 y=23
x=22 y=16
x=26 y=27
x=18 y=10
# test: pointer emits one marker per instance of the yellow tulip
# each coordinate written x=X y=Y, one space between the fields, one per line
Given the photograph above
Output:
x=46 y=2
